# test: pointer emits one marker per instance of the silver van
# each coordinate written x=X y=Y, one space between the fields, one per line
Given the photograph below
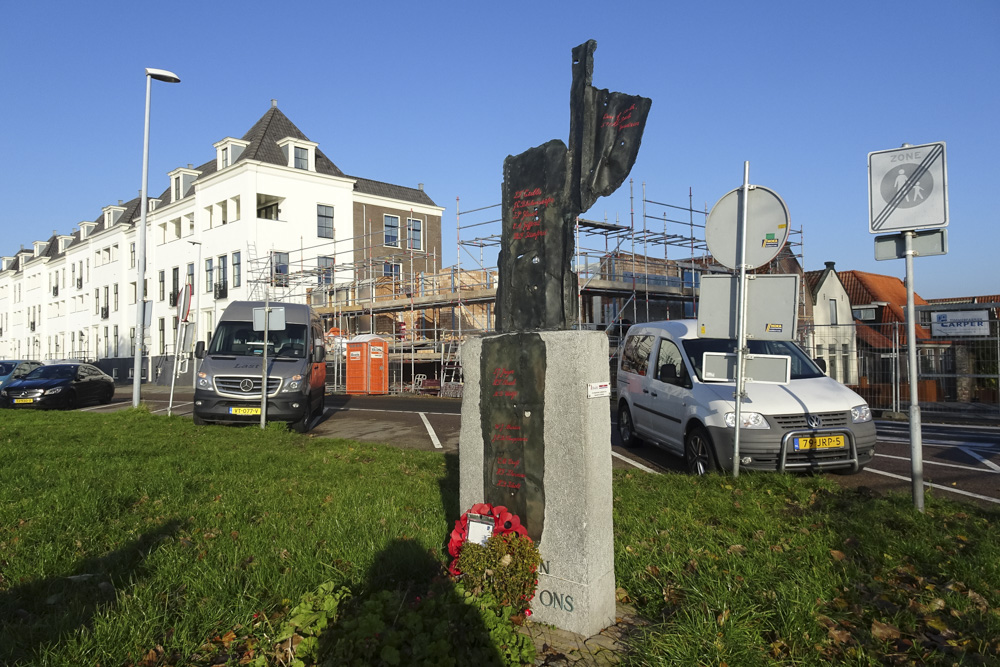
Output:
x=229 y=381
x=812 y=422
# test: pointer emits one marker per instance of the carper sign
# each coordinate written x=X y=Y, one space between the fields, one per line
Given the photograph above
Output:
x=908 y=188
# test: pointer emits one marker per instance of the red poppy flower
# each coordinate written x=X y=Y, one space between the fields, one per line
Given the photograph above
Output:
x=509 y=523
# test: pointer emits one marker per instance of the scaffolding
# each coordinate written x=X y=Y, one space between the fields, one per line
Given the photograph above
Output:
x=645 y=268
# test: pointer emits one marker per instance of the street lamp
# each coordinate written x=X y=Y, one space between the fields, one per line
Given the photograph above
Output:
x=140 y=304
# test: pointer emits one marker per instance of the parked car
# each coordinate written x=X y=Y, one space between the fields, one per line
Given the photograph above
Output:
x=812 y=422
x=59 y=386
x=15 y=369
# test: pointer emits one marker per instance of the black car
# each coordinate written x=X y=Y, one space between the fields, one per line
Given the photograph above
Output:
x=59 y=386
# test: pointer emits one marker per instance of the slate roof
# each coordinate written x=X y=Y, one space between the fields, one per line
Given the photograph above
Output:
x=380 y=189
x=264 y=136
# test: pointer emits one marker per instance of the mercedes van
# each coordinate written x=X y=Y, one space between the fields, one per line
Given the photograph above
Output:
x=810 y=423
x=230 y=378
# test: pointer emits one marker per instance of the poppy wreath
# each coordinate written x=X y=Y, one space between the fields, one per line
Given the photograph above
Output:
x=504 y=522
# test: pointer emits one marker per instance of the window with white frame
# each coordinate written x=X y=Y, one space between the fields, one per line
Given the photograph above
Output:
x=390 y=225
x=325 y=266
x=209 y=274
x=301 y=158
x=392 y=269
x=237 y=269
x=279 y=268
x=324 y=221
x=414 y=231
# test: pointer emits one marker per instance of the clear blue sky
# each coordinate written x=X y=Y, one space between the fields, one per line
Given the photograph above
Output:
x=439 y=93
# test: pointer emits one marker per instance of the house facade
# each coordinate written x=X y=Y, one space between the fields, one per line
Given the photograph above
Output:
x=267 y=211
x=831 y=336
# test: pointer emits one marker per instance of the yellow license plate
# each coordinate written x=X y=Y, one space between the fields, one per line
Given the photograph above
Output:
x=819 y=442
x=244 y=411
x=24 y=400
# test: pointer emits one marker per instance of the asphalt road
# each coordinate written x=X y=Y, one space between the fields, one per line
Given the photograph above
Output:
x=962 y=462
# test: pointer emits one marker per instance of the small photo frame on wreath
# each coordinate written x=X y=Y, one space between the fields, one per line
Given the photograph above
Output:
x=480 y=528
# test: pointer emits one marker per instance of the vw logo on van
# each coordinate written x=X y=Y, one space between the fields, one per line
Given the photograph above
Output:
x=246 y=385
x=814 y=421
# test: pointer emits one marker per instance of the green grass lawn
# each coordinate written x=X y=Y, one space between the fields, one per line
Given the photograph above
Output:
x=128 y=538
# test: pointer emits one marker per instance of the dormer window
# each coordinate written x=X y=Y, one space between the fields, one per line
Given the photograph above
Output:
x=40 y=248
x=181 y=181
x=228 y=151
x=64 y=242
x=85 y=229
x=299 y=153
x=111 y=215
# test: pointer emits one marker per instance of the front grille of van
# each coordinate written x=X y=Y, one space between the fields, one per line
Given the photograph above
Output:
x=244 y=386
x=801 y=421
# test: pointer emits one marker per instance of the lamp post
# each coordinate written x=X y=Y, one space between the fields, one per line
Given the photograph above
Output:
x=140 y=291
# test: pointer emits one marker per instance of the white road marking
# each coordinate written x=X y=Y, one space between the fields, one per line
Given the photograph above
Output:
x=404 y=412
x=430 y=431
x=937 y=486
x=984 y=461
x=948 y=465
x=176 y=405
x=947 y=444
x=635 y=463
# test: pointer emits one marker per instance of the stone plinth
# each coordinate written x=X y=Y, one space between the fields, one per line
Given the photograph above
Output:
x=532 y=439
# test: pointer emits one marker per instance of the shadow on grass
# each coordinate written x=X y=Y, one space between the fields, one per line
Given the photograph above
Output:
x=44 y=612
x=449 y=491
x=409 y=613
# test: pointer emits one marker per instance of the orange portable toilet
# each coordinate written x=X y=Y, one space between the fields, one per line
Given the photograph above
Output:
x=367 y=365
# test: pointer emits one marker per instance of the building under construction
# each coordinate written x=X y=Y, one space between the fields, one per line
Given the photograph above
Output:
x=636 y=270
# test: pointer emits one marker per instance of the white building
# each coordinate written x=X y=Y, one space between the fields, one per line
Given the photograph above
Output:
x=268 y=210
x=832 y=337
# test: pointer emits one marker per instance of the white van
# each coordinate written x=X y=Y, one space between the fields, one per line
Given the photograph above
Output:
x=813 y=422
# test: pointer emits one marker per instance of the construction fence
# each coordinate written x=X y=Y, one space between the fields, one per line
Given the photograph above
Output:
x=957 y=376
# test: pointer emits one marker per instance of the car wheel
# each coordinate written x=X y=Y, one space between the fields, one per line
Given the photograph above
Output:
x=70 y=401
x=698 y=453
x=198 y=421
x=626 y=427
x=302 y=425
x=108 y=395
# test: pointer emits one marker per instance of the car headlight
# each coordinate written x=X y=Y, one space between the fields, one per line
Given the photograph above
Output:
x=861 y=413
x=204 y=380
x=54 y=390
x=747 y=420
x=293 y=384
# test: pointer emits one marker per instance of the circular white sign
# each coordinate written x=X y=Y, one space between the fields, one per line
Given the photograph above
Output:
x=766 y=228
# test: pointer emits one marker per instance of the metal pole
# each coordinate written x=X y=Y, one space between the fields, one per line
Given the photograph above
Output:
x=741 y=322
x=140 y=294
x=916 y=442
x=263 y=368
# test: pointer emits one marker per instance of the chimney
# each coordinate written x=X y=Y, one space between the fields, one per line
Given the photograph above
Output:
x=829 y=265
x=420 y=186
x=190 y=166
x=274 y=103
x=119 y=202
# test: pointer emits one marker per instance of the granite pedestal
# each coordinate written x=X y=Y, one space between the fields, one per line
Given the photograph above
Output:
x=533 y=440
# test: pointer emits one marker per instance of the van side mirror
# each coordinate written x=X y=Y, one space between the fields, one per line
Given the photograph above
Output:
x=199 y=350
x=319 y=354
x=821 y=363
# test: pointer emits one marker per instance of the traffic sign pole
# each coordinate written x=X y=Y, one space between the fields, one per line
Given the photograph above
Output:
x=916 y=439
x=741 y=338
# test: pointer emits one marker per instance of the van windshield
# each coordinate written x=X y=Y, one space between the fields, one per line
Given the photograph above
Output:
x=802 y=366
x=240 y=339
